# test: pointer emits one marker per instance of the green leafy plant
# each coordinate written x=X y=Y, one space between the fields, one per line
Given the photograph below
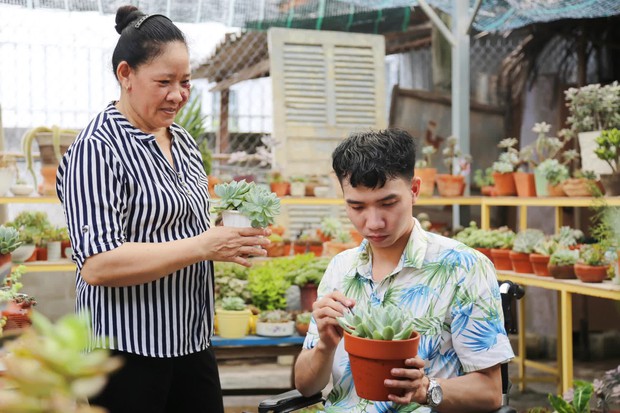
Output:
x=190 y=117
x=562 y=257
x=233 y=304
x=304 y=318
x=275 y=316
x=378 y=323
x=592 y=254
x=483 y=177
x=257 y=203
x=31 y=226
x=593 y=107
x=9 y=240
x=474 y=237
x=526 y=240
x=49 y=372
x=331 y=226
x=12 y=284
x=275 y=177
x=575 y=401
x=608 y=148
x=311 y=273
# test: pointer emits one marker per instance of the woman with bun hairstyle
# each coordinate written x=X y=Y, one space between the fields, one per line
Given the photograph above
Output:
x=135 y=197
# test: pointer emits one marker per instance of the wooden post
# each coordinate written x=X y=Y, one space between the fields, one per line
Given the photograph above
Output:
x=224 y=143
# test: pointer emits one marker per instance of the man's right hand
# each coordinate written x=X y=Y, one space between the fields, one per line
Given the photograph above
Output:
x=325 y=311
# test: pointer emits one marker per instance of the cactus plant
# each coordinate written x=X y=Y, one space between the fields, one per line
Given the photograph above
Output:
x=378 y=323
x=9 y=240
x=526 y=240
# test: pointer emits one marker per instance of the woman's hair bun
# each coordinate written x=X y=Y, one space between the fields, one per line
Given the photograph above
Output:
x=125 y=15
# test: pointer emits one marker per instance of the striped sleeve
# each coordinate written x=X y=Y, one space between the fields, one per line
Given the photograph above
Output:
x=94 y=199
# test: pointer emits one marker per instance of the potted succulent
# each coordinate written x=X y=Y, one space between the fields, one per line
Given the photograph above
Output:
x=342 y=242
x=425 y=171
x=583 y=183
x=276 y=248
x=591 y=267
x=568 y=237
x=308 y=241
x=298 y=185
x=483 y=179
x=562 y=263
x=233 y=318
x=302 y=322
x=16 y=307
x=31 y=225
x=9 y=241
x=479 y=239
x=275 y=323
x=244 y=204
x=608 y=150
x=523 y=246
x=503 y=169
x=539 y=258
x=308 y=277
x=593 y=108
x=53 y=236
x=21 y=187
x=277 y=183
x=378 y=339
x=453 y=183
x=555 y=174
x=503 y=239
x=330 y=226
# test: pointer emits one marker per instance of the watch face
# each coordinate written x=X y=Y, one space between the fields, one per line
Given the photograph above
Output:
x=436 y=395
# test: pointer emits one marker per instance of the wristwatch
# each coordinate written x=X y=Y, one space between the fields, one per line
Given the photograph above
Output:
x=434 y=394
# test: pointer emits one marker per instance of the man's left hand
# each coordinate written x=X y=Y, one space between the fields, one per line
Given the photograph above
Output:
x=412 y=379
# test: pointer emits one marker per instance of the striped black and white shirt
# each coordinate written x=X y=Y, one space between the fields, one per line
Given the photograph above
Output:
x=116 y=186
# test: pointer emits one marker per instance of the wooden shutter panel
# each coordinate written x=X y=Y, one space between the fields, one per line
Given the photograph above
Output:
x=325 y=85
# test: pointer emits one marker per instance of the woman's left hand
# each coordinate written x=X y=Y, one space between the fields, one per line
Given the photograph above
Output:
x=412 y=379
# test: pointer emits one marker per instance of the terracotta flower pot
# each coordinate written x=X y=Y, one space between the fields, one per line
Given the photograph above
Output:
x=427 y=176
x=521 y=262
x=302 y=328
x=486 y=251
x=333 y=248
x=501 y=259
x=488 y=190
x=581 y=187
x=539 y=264
x=504 y=184
x=555 y=190
x=280 y=188
x=373 y=360
x=525 y=183
x=562 y=272
x=276 y=249
x=591 y=273
x=450 y=185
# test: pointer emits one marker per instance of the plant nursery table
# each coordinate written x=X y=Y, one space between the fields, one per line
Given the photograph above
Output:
x=253 y=347
x=562 y=373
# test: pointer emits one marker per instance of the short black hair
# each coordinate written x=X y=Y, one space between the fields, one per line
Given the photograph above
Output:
x=371 y=158
x=139 y=45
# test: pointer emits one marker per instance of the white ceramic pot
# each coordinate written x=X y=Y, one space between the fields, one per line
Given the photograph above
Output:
x=298 y=189
x=22 y=189
x=275 y=329
x=589 y=160
x=22 y=253
x=235 y=219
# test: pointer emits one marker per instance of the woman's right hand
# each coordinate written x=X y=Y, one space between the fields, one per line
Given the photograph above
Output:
x=325 y=311
x=234 y=244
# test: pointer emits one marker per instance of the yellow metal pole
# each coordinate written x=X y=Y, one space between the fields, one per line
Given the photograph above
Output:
x=485 y=216
x=522 y=217
x=566 y=312
x=558 y=218
x=559 y=347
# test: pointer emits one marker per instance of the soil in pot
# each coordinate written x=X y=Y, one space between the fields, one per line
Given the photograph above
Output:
x=373 y=360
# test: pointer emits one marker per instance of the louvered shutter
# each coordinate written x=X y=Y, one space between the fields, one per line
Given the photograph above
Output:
x=325 y=85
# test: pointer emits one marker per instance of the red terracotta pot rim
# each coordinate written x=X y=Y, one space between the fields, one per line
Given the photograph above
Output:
x=500 y=251
x=539 y=257
x=367 y=348
x=519 y=255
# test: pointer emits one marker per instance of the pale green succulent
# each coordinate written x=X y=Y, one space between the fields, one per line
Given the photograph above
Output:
x=378 y=323
x=526 y=240
x=232 y=195
x=9 y=240
x=233 y=304
x=260 y=206
x=562 y=257
x=330 y=226
x=274 y=316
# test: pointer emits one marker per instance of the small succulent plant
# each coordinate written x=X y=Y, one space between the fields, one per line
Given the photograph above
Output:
x=330 y=226
x=526 y=240
x=274 y=316
x=562 y=257
x=233 y=304
x=257 y=203
x=378 y=323
x=304 y=318
x=9 y=240
x=232 y=195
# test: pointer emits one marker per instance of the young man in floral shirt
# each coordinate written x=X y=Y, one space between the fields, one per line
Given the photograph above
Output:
x=451 y=290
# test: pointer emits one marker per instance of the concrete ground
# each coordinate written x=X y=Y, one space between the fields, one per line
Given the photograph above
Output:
x=272 y=374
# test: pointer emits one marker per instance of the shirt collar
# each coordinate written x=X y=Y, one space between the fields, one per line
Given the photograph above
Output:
x=115 y=114
x=412 y=257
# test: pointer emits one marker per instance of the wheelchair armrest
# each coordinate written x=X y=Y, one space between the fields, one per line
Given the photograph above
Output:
x=288 y=402
x=505 y=409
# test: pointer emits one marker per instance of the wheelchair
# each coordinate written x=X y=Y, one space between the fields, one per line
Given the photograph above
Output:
x=293 y=400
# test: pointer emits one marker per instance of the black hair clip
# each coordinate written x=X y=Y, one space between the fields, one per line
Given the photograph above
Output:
x=145 y=17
